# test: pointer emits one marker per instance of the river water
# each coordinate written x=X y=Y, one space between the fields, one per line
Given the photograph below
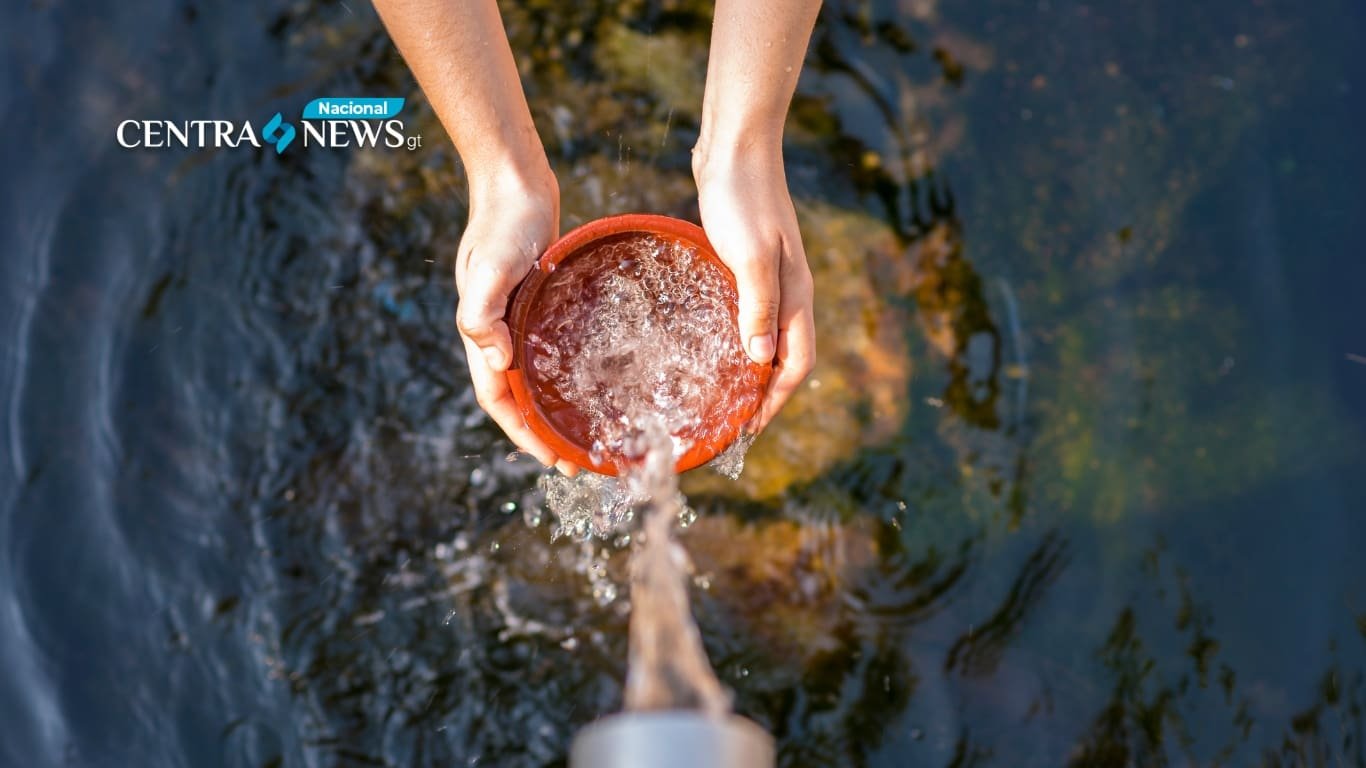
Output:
x=1078 y=477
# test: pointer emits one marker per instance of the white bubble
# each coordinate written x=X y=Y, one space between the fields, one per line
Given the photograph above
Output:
x=686 y=517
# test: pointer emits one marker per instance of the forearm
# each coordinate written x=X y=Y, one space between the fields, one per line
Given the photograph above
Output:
x=757 y=49
x=459 y=53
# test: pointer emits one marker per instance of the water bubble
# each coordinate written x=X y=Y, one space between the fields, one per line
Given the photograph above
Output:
x=570 y=643
x=686 y=517
x=642 y=300
x=509 y=507
x=604 y=593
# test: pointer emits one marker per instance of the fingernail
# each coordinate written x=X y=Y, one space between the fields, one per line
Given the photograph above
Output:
x=761 y=348
x=494 y=356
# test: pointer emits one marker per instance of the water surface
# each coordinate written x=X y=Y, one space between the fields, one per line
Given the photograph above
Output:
x=1078 y=478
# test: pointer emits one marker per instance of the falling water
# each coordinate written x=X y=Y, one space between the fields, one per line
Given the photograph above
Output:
x=643 y=347
x=668 y=666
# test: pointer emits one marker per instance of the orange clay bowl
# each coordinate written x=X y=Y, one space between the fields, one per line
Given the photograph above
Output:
x=564 y=428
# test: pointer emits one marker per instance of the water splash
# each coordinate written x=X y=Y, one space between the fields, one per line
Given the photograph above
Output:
x=668 y=667
x=643 y=352
x=730 y=463
x=641 y=327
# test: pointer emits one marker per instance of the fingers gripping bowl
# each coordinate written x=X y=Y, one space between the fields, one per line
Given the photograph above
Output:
x=627 y=321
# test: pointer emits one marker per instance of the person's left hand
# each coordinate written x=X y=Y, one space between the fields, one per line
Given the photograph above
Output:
x=748 y=216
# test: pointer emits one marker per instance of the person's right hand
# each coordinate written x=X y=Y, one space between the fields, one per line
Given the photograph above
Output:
x=510 y=226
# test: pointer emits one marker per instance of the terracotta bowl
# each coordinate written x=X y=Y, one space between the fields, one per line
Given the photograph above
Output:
x=565 y=429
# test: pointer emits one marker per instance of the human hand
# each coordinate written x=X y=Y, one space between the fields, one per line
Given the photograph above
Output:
x=510 y=226
x=748 y=216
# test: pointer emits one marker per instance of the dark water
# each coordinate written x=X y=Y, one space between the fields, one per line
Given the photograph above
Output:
x=1094 y=496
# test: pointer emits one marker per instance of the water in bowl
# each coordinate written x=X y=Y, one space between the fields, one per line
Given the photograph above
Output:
x=641 y=355
x=638 y=327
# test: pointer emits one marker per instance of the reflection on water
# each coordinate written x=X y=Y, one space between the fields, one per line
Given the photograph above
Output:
x=1073 y=481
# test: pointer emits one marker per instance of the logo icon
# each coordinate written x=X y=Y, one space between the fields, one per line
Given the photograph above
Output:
x=278 y=132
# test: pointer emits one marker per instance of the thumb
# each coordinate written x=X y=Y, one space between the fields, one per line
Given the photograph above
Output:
x=756 y=281
x=479 y=316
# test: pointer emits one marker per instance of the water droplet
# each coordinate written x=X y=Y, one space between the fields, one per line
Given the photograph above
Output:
x=570 y=643
x=509 y=507
x=686 y=517
x=494 y=547
x=604 y=593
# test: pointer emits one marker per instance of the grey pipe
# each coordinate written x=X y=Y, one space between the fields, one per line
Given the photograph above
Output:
x=676 y=739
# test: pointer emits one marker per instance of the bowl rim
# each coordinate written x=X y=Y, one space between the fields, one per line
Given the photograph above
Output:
x=519 y=308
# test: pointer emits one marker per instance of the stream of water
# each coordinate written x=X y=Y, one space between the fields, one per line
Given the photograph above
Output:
x=635 y=346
